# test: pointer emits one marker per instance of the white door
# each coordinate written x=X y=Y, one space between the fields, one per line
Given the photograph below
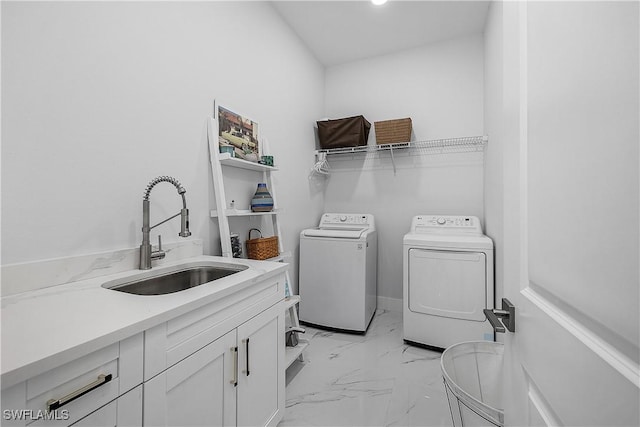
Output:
x=196 y=391
x=261 y=369
x=571 y=212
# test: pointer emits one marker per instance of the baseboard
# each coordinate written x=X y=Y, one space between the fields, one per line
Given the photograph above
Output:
x=390 y=304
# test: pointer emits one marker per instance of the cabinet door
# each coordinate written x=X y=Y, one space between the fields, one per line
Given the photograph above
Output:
x=196 y=391
x=261 y=371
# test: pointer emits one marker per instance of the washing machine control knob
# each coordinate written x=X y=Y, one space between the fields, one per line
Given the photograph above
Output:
x=442 y=221
x=343 y=218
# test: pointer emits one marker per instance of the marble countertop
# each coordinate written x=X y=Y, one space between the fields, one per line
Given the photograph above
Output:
x=46 y=328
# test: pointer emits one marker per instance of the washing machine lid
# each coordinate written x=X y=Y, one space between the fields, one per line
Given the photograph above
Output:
x=336 y=233
x=342 y=226
x=448 y=241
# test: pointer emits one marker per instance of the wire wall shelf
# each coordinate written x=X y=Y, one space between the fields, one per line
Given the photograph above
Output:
x=469 y=143
x=435 y=146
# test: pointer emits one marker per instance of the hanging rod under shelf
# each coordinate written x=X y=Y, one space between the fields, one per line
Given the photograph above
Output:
x=475 y=143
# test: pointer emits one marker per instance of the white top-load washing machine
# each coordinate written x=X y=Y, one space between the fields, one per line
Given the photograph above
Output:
x=448 y=281
x=338 y=272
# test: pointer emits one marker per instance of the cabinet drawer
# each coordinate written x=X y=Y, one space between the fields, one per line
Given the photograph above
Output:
x=125 y=411
x=172 y=341
x=85 y=384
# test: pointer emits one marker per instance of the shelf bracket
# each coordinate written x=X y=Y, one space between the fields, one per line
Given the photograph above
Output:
x=393 y=160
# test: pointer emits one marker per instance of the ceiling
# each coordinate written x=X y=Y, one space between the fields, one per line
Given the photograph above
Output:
x=344 y=31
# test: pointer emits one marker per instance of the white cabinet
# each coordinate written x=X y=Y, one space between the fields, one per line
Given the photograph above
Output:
x=67 y=394
x=125 y=411
x=260 y=390
x=220 y=363
x=238 y=379
x=197 y=391
x=170 y=342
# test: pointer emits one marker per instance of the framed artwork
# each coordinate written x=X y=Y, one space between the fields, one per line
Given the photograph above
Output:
x=237 y=134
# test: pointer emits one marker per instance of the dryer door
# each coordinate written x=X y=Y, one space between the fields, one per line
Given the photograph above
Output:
x=447 y=283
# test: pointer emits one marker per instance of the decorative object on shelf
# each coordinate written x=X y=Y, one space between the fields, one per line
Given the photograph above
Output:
x=262 y=200
x=291 y=338
x=238 y=132
x=236 y=247
x=390 y=131
x=249 y=155
x=263 y=247
x=267 y=160
x=346 y=132
x=229 y=149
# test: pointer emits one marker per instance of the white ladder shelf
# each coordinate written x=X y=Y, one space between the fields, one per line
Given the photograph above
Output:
x=222 y=213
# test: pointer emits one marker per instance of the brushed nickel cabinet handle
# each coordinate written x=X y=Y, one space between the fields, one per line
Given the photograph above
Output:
x=234 y=381
x=53 y=404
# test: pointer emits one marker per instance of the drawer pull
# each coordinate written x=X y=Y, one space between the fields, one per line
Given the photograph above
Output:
x=53 y=404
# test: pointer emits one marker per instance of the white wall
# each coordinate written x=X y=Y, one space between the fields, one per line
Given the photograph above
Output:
x=98 y=98
x=440 y=86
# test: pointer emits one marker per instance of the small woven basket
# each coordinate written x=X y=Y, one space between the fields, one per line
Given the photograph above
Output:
x=390 y=131
x=262 y=247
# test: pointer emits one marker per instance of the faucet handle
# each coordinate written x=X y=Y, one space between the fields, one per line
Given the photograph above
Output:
x=159 y=254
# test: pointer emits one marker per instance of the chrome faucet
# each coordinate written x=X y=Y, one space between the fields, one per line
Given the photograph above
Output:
x=146 y=251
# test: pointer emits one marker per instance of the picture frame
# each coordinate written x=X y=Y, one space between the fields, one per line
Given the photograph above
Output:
x=239 y=132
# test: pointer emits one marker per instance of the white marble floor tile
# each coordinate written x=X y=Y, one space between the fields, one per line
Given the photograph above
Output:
x=366 y=380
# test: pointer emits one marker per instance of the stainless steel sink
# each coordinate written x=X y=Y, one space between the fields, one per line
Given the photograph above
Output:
x=174 y=281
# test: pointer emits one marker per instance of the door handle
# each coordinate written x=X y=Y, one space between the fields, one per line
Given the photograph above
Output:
x=507 y=315
x=246 y=343
x=234 y=356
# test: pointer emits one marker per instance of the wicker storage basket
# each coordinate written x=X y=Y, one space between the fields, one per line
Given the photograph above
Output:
x=390 y=131
x=262 y=247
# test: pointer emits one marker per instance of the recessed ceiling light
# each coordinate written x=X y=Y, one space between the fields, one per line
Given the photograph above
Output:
x=378 y=2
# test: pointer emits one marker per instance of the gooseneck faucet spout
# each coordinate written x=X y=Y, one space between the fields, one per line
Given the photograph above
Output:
x=146 y=252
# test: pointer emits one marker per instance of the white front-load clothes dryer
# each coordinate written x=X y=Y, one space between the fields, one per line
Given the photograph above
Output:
x=338 y=272
x=447 y=281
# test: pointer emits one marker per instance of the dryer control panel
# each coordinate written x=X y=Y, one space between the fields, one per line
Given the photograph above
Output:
x=340 y=220
x=448 y=223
